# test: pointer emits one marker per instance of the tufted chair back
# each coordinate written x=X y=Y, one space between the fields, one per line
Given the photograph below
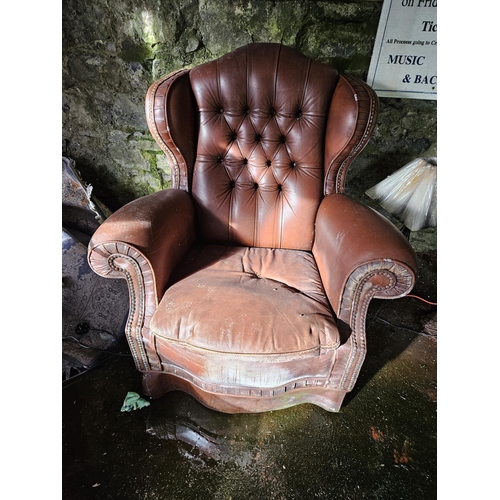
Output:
x=259 y=137
x=258 y=175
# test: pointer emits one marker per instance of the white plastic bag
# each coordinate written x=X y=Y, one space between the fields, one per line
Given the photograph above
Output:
x=410 y=194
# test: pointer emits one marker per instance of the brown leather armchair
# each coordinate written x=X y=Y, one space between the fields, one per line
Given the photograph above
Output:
x=250 y=279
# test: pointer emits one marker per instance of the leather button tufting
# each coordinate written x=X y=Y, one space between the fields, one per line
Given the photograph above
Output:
x=258 y=137
x=268 y=163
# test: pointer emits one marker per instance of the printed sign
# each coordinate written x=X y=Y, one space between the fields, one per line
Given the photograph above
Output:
x=404 y=59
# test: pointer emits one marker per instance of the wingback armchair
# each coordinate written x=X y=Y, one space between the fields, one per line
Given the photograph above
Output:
x=250 y=278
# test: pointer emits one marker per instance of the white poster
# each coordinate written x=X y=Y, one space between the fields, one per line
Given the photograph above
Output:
x=404 y=59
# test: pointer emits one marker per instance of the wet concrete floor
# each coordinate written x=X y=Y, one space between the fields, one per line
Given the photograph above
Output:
x=381 y=445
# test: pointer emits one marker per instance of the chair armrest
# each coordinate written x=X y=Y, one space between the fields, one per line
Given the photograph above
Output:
x=143 y=242
x=360 y=255
x=159 y=226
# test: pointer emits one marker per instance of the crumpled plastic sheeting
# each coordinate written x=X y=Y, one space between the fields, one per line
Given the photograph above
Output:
x=134 y=401
x=77 y=195
x=410 y=194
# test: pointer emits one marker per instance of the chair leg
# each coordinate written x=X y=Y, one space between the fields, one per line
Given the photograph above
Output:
x=155 y=384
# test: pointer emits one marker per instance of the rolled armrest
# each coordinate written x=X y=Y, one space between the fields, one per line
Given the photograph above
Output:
x=159 y=227
x=360 y=255
x=143 y=242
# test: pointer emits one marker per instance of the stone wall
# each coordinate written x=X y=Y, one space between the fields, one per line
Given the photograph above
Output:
x=113 y=50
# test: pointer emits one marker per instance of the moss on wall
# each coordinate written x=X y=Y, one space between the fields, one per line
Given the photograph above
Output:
x=113 y=50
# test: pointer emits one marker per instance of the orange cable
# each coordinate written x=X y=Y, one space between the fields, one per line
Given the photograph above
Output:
x=420 y=298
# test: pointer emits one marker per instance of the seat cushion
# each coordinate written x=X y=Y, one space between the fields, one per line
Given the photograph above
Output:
x=234 y=310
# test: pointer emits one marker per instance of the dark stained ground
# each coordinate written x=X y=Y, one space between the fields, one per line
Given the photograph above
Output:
x=381 y=445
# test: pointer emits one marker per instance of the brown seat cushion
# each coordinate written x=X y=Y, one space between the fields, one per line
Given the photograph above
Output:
x=233 y=308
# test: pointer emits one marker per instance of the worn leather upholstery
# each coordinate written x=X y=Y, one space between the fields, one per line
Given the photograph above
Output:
x=251 y=306
x=251 y=277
